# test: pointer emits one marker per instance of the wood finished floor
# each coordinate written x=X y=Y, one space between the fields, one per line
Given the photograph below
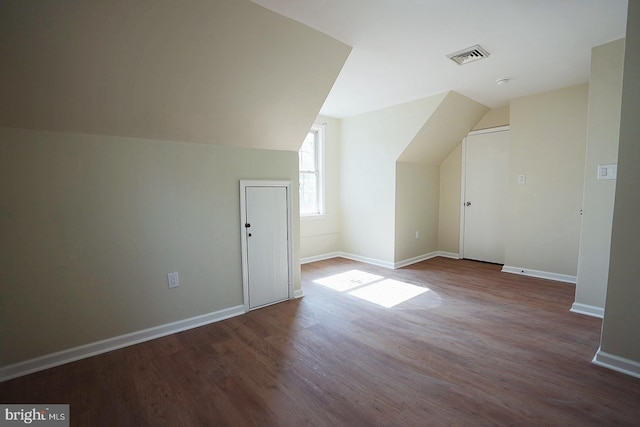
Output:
x=480 y=347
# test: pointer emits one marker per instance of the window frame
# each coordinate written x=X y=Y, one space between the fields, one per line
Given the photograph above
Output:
x=318 y=129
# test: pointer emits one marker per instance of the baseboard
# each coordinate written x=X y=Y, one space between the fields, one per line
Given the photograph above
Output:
x=539 y=274
x=379 y=262
x=298 y=293
x=449 y=255
x=588 y=310
x=414 y=260
x=617 y=363
x=93 y=349
x=322 y=257
x=366 y=260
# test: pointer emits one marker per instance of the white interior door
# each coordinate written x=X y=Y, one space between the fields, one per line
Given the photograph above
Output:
x=485 y=200
x=266 y=245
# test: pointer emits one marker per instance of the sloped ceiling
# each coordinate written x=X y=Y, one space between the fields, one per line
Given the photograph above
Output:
x=443 y=130
x=220 y=72
x=400 y=47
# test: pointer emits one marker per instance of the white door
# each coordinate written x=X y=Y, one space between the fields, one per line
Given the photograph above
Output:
x=485 y=196
x=265 y=224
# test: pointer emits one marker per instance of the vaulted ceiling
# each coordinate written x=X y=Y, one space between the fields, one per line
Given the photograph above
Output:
x=400 y=47
x=232 y=72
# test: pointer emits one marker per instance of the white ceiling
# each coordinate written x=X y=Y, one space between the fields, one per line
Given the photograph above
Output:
x=400 y=46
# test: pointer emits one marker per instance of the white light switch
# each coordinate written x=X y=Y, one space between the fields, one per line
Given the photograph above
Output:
x=174 y=279
x=607 y=171
x=522 y=179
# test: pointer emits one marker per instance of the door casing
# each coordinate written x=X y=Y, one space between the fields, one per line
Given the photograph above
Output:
x=244 y=231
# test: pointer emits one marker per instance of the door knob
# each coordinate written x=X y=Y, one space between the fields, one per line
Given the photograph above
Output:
x=468 y=204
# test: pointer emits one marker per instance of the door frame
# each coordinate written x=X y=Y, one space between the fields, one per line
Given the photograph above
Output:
x=243 y=234
x=463 y=186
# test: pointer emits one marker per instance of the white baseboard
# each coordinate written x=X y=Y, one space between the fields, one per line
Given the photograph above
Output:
x=298 y=293
x=617 y=363
x=540 y=274
x=322 y=257
x=449 y=255
x=71 y=355
x=588 y=310
x=366 y=260
x=379 y=262
x=414 y=260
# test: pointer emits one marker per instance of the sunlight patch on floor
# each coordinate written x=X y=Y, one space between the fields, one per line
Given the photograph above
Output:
x=388 y=293
x=373 y=288
x=347 y=280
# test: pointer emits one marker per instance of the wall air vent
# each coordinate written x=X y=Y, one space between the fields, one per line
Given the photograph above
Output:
x=469 y=54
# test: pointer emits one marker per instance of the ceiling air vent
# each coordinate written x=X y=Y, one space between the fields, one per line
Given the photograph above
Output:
x=469 y=54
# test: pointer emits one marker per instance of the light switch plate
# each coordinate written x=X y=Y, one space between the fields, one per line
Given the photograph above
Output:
x=609 y=171
x=522 y=179
x=173 y=279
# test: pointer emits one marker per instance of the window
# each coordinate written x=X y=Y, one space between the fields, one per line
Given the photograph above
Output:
x=310 y=164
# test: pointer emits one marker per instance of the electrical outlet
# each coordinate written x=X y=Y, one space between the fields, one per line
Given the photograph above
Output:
x=174 y=279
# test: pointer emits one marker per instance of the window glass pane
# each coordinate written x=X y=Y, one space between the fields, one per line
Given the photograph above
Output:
x=310 y=174
x=308 y=153
x=308 y=193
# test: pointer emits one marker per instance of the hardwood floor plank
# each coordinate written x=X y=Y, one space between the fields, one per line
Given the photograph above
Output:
x=479 y=347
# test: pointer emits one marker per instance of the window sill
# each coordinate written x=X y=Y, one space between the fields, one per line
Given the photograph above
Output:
x=312 y=217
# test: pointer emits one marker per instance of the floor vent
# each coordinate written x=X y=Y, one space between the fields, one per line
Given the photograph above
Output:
x=469 y=54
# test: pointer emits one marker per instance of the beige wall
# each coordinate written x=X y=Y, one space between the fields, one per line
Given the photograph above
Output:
x=91 y=225
x=321 y=235
x=443 y=130
x=417 y=193
x=373 y=193
x=96 y=213
x=603 y=129
x=217 y=72
x=547 y=144
x=494 y=118
x=622 y=317
x=449 y=205
x=369 y=146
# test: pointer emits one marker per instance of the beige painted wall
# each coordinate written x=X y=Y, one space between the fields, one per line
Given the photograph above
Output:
x=443 y=130
x=548 y=134
x=417 y=193
x=622 y=317
x=449 y=204
x=369 y=146
x=91 y=225
x=418 y=132
x=494 y=118
x=603 y=130
x=321 y=235
x=217 y=72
